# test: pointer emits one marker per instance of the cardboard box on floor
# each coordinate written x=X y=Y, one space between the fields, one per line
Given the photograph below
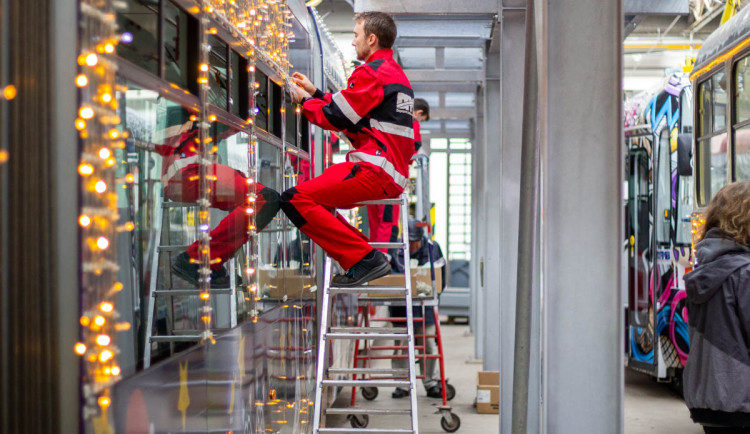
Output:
x=421 y=282
x=488 y=392
x=274 y=283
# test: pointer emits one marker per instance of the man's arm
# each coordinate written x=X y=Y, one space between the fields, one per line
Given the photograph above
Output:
x=345 y=108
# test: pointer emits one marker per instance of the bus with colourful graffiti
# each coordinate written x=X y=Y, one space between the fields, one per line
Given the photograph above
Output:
x=657 y=251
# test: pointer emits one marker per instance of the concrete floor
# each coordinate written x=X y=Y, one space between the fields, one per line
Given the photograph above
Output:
x=650 y=407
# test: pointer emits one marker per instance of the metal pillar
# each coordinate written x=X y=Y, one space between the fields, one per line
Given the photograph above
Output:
x=580 y=71
x=65 y=157
x=503 y=190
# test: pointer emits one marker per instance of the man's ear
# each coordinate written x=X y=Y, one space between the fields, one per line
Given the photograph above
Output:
x=372 y=40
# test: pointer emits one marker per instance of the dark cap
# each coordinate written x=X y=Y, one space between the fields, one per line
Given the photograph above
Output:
x=415 y=232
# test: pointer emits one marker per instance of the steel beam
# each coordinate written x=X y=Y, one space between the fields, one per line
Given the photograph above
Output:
x=452 y=113
x=448 y=41
x=582 y=370
x=651 y=7
x=445 y=75
x=434 y=86
x=427 y=6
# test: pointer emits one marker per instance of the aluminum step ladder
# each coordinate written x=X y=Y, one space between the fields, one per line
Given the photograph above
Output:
x=329 y=376
x=161 y=247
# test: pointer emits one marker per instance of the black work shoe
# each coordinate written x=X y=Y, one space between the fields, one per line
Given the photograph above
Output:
x=188 y=271
x=372 y=266
x=399 y=393
x=434 y=392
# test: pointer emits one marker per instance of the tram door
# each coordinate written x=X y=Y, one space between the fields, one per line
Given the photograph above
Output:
x=640 y=255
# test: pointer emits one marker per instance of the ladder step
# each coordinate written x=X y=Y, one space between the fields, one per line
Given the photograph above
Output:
x=380 y=202
x=359 y=430
x=367 y=383
x=368 y=411
x=366 y=335
x=395 y=290
x=183 y=292
x=369 y=371
x=175 y=248
x=388 y=246
x=175 y=338
x=387 y=330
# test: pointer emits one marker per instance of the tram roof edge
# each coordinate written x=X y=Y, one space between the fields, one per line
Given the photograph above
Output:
x=729 y=38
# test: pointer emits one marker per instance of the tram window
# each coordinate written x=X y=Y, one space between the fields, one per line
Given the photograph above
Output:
x=217 y=72
x=238 y=102
x=719 y=100
x=705 y=107
x=261 y=100
x=179 y=35
x=742 y=89
x=275 y=109
x=711 y=160
x=686 y=111
x=305 y=134
x=664 y=188
x=291 y=121
x=742 y=154
x=141 y=23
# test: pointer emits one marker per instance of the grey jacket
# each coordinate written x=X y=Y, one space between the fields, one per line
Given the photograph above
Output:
x=717 y=374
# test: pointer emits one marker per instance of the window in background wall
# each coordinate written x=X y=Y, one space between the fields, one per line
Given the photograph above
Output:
x=450 y=191
x=217 y=72
x=179 y=28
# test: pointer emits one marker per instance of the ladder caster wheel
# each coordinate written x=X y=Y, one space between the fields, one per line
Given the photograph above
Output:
x=359 y=421
x=370 y=393
x=450 y=392
x=452 y=426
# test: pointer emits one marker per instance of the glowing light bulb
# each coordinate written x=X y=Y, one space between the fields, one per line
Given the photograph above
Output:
x=107 y=97
x=204 y=67
x=92 y=59
x=103 y=340
x=205 y=295
x=85 y=169
x=115 y=370
x=99 y=320
x=81 y=80
x=100 y=187
x=103 y=402
x=104 y=153
x=118 y=286
x=84 y=220
x=85 y=321
x=106 y=307
x=80 y=124
x=212 y=118
x=102 y=243
x=4 y=156
x=250 y=271
x=109 y=48
x=212 y=30
x=126 y=37
x=249 y=210
x=250 y=180
x=86 y=112
x=113 y=133
x=80 y=348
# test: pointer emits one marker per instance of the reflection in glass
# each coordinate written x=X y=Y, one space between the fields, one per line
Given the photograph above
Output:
x=262 y=100
x=664 y=188
x=742 y=154
x=712 y=158
x=217 y=72
x=742 y=89
x=177 y=24
x=719 y=84
x=705 y=108
x=139 y=24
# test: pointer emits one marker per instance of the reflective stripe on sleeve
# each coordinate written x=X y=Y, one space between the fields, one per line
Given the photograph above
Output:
x=345 y=108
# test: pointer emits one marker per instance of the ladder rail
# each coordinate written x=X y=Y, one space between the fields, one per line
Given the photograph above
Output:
x=322 y=347
x=152 y=287
x=409 y=313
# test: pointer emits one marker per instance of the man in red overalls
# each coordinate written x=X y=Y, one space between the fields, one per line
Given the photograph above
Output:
x=375 y=112
x=383 y=219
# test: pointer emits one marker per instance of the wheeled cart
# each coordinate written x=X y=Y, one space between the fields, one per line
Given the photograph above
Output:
x=367 y=351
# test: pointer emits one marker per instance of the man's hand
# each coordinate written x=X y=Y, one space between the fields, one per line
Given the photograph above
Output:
x=297 y=93
x=303 y=82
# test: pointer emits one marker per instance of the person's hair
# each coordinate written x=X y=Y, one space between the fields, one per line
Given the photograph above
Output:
x=420 y=104
x=729 y=211
x=379 y=24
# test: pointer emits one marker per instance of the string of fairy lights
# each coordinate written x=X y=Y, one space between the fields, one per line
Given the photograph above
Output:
x=264 y=27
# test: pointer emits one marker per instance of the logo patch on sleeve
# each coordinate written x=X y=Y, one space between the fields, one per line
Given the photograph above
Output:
x=404 y=103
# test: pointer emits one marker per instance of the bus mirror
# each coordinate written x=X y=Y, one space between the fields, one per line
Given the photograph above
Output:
x=685 y=155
